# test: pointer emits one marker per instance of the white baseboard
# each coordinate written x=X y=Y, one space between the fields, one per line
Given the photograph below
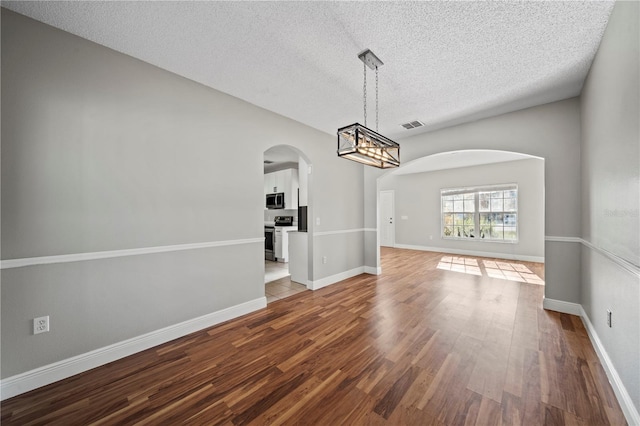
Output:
x=373 y=270
x=624 y=399
x=323 y=282
x=48 y=374
x=562 y=306
x=539 y=259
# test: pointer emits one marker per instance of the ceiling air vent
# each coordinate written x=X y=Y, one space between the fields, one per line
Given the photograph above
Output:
x=412 y=124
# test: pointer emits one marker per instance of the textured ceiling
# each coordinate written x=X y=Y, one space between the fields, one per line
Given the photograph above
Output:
x=444 y=62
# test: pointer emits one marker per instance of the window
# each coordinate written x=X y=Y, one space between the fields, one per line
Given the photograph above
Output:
x=484 y=213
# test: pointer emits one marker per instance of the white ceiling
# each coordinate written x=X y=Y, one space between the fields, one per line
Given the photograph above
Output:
x=444 y=62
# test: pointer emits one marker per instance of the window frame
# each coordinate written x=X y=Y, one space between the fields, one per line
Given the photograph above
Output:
x=476 y=190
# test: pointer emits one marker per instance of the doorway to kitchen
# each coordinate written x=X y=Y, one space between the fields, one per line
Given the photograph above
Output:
x=286 y=201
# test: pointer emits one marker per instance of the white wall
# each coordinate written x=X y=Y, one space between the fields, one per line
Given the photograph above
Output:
x=417 y=196
x=610 y=263
x=103 y=152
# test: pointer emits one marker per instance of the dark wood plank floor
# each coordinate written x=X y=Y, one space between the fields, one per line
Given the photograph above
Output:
x=417 y=345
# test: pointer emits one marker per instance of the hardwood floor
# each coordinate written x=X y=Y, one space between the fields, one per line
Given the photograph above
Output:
x=417 y=345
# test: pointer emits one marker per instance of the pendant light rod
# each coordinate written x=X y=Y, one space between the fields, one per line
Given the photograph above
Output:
x=364 y=93
x=369 y=59
x=376 y=99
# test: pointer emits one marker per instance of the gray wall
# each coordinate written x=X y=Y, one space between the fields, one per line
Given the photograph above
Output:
x=95 y=303
x=101 y=151
x=550 y=131
x=610 y=193
x=417 y=196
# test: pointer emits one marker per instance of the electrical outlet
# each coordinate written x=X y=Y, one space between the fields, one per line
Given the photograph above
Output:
x=317 y=221
x=324 y=259
x=609 y=317
x=41 y=325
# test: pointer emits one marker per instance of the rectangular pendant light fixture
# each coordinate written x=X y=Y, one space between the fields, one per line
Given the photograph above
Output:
x=359 y=143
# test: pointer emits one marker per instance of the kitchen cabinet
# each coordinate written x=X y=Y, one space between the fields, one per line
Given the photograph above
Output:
x=283 y=181
x=281 y=245
x=275 y=182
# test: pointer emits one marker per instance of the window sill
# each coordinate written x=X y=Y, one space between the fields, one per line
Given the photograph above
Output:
x=483 y=240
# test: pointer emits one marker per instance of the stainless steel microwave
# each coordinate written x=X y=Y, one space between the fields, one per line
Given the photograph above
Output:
x=275 y=201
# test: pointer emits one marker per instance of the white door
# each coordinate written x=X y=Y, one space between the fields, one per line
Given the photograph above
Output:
x=387 y=219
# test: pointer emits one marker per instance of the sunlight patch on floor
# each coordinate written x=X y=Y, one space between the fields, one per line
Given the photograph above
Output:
x=511 y=272
x=494 y=269
x=459 y=264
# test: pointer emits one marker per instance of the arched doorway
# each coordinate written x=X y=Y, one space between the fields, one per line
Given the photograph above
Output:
x=286 y=208
x=424 y=216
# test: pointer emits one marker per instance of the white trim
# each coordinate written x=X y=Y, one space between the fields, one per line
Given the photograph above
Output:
x=77 y=257
x=624 y=399
x=479 y=240
x=402 y=170
x=370 y=230
x=481 y=188
x=343 y=231
x=372 y=270
x=524 y=258
x=332 y=279
x=624 y=264
x=557 y=239
x=47 y=374
x=561 y=306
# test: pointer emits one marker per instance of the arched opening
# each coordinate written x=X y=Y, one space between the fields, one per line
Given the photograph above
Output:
x=286 y=209
x=482 y=209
